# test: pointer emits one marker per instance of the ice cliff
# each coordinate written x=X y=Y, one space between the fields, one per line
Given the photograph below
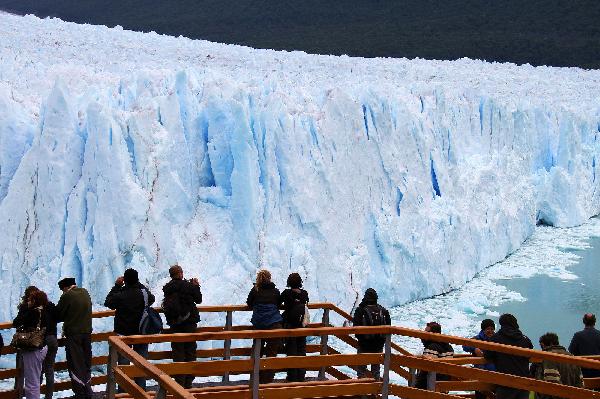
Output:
x=122 y=149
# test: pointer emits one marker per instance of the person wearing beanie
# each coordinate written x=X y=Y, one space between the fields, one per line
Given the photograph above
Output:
x=488 y=328
x=370 y=313
x=509 y=334
x=74 y=309
x=126 y=298
x=587 y=343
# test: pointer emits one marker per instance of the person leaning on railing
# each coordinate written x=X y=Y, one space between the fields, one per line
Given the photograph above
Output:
x=294 y=300
x=556 y=372
x=433 y=350
x=74 y=309
x=370 y=313
x=488 y=328
x=33 y=314
x=509 y=334
x=126 y=298
x=263 y=299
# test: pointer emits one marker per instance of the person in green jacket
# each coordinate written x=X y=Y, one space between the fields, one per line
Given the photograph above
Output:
x=74 y=309
x=551 y=371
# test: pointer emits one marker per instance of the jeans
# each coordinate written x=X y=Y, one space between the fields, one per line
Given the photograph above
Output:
x=48 y=366
x=184 y=352
x=296 y=346
x=361 y=372
x=141 y=349
x=269 y=348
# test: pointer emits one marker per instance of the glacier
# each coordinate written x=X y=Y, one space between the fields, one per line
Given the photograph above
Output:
x=122 y=149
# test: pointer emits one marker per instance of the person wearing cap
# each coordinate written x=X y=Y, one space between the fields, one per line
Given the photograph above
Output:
x=370 y=313
x=488 y=328
x=74 y=309
x=126 y=298
x=587 y=343
x=509 y=334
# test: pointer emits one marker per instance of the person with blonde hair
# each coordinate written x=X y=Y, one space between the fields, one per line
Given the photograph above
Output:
x=263 y=299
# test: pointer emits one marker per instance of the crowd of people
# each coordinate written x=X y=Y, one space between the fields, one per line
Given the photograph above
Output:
x=131 y=301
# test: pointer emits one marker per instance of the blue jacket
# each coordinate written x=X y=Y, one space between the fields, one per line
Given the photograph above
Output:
x=265 y=315
x=471 y=349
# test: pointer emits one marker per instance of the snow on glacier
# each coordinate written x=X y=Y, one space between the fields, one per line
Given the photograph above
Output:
x=121 y=149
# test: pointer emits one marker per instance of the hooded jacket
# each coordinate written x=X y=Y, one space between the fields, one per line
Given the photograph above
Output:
x=560 y=373
x=367 y=342
x=509 y=334
x=128 y=303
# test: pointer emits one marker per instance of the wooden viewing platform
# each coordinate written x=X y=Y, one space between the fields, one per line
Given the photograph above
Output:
x=334 y=378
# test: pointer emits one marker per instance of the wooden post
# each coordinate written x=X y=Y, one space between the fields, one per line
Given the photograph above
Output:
x=387 y=356
x=255 y=378
x=324 y=339
x=413 y=377
x=111 y=383
x=431 y=379
x=19 y=379
x=227 y=343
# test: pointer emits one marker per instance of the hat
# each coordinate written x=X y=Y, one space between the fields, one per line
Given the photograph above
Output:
x=488 y=323
x=66 y=282
x=131 y=277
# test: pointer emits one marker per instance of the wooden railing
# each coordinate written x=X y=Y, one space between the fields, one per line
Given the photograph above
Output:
x=466 y=378
x=332 y=367
x=100 y=378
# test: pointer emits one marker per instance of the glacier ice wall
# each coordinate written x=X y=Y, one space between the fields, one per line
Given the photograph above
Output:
x=120 y=149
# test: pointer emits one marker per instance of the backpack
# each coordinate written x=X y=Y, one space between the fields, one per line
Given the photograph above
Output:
x=297 y=315
x=151 y=322
x=373 y=316
x=175 y=309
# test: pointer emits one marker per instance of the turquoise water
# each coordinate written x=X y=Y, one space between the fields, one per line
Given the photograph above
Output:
x=557 y=305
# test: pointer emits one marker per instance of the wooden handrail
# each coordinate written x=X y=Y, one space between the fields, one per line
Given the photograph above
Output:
x=512 y=381
x=150 y=370
x=99 y=314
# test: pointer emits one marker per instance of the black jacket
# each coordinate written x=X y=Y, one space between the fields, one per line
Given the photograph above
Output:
x=369 y=343
x=586 y=342
x=505 y=363
x=290 y=297
x=128 y=303
x=27 y=318
x=190 y=294
x=266 y=295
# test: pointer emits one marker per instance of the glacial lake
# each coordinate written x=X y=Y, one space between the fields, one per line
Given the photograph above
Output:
x=557 y=305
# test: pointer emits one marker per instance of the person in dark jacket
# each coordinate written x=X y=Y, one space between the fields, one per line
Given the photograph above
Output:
x=294 y=299
x=188 y=295
x=126 y=298
x=551 y=371
x=264 y=301
x=370 y=313
x=74 y=309
x=31 y=315
x=509 y=334
x=488 y=328
x=586 y=343
x=433 y=350
x=52 y=344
